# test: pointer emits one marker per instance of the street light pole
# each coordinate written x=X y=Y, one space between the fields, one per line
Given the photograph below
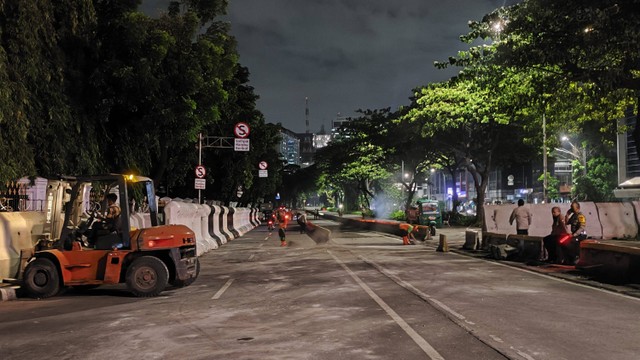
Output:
x=544 y=157
x=199 y=163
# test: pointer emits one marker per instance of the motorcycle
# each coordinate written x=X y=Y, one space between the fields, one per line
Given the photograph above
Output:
x=270 y=225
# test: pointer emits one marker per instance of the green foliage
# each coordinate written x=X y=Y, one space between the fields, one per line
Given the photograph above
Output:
x=355 y=160
x=553 y=186
x=462 y=220
x=599 y=182
x=97 y=86
x=397 y=215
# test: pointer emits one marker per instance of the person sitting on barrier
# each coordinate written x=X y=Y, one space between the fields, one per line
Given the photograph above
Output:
x=522 y=216
x=571 y=246
x=558 y=229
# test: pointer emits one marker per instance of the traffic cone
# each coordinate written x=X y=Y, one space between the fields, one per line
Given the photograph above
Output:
x=443 y=246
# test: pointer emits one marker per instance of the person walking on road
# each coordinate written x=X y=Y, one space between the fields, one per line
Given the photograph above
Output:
x=302 y=221
x=522 y=217
x=282 y=233
x=558 y=229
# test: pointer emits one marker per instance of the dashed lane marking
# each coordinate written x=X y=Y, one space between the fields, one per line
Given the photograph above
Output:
x=222 y=290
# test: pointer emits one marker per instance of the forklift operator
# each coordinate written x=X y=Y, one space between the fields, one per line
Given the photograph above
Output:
x=113 y=213
x=108 y=223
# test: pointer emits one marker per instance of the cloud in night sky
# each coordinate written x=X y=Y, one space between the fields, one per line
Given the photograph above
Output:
x=343 y=54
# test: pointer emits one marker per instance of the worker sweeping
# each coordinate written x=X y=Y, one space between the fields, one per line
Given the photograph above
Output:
x=407 y=230
x=282 y=234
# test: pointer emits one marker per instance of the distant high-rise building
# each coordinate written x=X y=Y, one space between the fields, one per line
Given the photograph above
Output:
x=289 y=147
x=337 y=123
x=307 y=150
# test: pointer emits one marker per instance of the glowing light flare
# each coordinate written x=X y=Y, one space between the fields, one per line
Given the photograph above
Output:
x=565 y=239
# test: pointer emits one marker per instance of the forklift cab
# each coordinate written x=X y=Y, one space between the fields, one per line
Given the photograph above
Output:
x=86 y=212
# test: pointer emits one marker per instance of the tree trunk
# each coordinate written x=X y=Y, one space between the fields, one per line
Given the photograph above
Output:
x=481 y=189
x=454 y=194
x=410 y=192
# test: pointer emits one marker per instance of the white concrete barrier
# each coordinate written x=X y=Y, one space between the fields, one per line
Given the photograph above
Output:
x=224 y=223
x=497 y=218
x=203 y=212
x=194 y=216
x=242 y=220
x=590 y=211
x=215 y=217
x=618 y=220
x=18 y=230
x=232 y=222
x=255 y=216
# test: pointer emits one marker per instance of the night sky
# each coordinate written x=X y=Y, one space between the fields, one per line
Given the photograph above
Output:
x=343 y=55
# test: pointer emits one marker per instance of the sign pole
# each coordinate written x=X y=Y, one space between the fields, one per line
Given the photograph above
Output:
x=199 y=163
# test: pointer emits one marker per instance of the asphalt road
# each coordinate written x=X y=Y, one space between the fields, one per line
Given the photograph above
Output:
x=361 y=296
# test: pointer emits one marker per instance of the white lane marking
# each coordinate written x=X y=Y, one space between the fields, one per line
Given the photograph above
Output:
x=222 y=290
x=419 y=340
x=413 y=289
x=495 y=338
x=251 y=257
x=523 y=354
x=435 y=302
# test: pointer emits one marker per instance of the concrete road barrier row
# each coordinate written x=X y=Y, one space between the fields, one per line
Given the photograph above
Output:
x=617 y=220
x=213 y=225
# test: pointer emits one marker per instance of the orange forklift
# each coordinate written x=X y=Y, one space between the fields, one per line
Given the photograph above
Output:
x=88 y=253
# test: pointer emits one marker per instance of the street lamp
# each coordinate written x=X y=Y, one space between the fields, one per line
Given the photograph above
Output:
x=577 y=153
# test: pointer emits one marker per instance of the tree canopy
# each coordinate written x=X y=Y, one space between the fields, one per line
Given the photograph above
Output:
x=98 y=86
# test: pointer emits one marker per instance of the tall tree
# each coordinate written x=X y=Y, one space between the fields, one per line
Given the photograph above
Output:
x=160 y=83
x=45 y=51
x=584 y=41
x=469 y=114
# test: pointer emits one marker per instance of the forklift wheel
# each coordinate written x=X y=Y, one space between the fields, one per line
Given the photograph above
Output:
x=41 y=279
x=148 y=276
x=183 y=283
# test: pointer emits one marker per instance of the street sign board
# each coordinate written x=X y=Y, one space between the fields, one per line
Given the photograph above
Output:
x=263 y=173
x=201 y=172
x=241 y=144
x=200 y=184
x=241 y=130
x=263 y=165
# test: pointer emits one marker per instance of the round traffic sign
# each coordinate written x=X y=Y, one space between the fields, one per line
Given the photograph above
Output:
x=241 y=130
x=201 y=172
x=263 y=165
